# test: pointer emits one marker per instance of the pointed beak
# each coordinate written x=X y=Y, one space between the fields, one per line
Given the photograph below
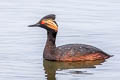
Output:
x=34 y=25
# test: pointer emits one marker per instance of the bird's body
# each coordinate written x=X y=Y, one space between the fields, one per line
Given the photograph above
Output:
x=79 y=52
x=69 y=52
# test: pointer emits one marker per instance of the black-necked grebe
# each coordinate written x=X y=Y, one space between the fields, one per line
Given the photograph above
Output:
x=69 y=52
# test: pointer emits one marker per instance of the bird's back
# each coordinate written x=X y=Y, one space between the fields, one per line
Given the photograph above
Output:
x=79 y=52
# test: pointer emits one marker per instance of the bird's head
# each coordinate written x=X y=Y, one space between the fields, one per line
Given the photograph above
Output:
x=48 y=22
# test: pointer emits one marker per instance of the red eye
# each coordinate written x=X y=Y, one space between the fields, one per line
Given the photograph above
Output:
x=42 y=22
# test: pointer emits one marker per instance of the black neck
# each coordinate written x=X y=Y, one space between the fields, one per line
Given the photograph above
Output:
x=50 y=44
x=51 y=38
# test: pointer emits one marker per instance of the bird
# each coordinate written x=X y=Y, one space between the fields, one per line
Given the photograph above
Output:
x=68 y=52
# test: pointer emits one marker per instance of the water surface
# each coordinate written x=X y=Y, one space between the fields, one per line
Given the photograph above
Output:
x=94 y=22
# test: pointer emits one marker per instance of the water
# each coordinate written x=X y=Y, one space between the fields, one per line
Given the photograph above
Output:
x=94 y=22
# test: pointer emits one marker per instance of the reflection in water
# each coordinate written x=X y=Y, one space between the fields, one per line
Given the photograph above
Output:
x=51 y=67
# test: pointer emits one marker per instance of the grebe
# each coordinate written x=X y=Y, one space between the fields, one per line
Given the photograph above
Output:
x=69 y=52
